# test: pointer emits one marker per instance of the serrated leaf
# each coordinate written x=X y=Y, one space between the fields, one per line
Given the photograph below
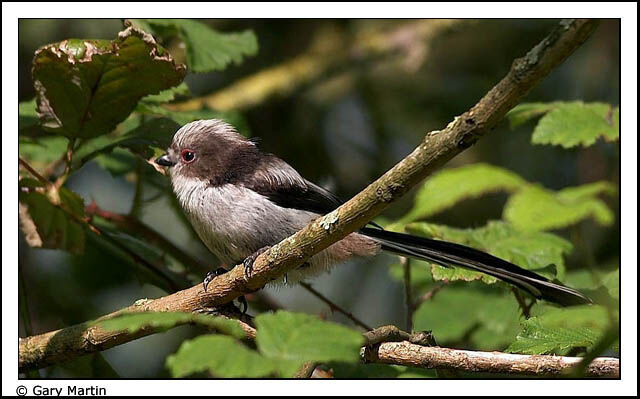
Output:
x=47 y=224
x=86 y=87
x=220 y=355
x=448 y=187
x=290 y=339
x=530 y=250
x=206 y=49
x=133 y=322
x=167 y=95
x=555 y=330
x=536 y=208
x=535 y=339
x=522 y=113
x=489 y=318
x=576 y=123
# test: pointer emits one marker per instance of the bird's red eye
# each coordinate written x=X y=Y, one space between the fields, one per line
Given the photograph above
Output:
x=188 y=156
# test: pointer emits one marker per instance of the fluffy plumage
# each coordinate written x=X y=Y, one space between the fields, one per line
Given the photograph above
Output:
x=240 y=200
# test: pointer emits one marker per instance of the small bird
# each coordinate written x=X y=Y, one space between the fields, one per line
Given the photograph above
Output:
x=241 y=201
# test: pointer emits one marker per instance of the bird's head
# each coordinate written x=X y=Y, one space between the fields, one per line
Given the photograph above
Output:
x=206 y=150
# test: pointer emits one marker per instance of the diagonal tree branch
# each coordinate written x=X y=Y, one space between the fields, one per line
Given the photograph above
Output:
x=436 y=149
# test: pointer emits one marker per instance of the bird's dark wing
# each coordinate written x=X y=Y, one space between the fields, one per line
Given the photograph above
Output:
x=278 y=181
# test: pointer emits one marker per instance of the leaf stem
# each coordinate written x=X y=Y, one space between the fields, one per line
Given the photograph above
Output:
x=67 y=169
x=33 y=172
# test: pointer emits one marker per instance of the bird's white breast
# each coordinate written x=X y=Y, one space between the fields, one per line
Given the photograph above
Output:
x=234 y=221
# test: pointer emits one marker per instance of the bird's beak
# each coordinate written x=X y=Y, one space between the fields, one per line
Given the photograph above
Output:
x=164 y=160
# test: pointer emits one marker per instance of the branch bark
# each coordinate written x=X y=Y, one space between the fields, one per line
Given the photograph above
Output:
x=436 y=149
x=412 y=355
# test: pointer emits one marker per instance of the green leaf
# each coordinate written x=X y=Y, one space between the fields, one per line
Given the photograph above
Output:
x=28 y=121
x=523 y=112
x=290 y=339
x=133 y=322
x=536 y=208
x=489 y=318
x=86 y=87
x=448 y=187
x=555 y=330
x=206 y=49
x=576 y=123
x=51 y=219
x=604 y=289
x=220 y=355
x=147 y=140
x=529 y=250
x=183 y=117
x=43 y=150
x=536 y=339
x=168 y=95
x=118 y=162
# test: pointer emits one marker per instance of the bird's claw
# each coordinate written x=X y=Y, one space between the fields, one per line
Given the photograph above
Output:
x=249 y=260
x=211 y=275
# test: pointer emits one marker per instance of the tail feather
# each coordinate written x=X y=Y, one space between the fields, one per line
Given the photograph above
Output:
x=445 y=254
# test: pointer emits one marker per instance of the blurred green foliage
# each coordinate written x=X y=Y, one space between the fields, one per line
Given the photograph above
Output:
x=111 y=104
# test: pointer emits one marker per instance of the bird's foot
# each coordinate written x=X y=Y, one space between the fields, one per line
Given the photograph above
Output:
x=211 y=275
x=215 y=273
x=248 y=262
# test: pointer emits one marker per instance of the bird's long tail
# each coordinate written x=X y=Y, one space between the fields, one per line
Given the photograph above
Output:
x=447 y=254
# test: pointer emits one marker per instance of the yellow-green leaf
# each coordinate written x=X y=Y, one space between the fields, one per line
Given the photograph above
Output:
x=536 y=208
x=133 y=322
x=290 y=339
x=222 y=356
x=530 y=250
x=450 y=186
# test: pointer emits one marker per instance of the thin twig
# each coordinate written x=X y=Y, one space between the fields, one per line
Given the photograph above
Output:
x=335 y=307
x=34 y=172
x=427 y=296
x=138 y=228
x=526 y=309
x=408 y=296
x=67 y=159
x=51 y=168
x=171 y=284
